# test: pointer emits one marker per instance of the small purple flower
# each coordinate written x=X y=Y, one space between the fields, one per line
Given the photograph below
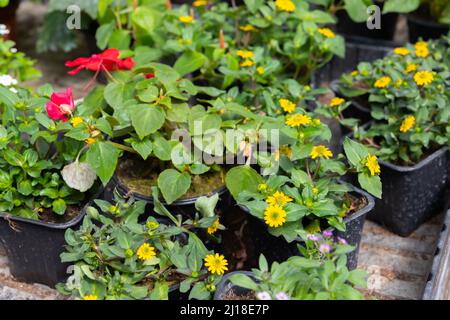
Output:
x=324 y=248
x=328 y=233
x=282 y=296
x=312 y=237
x=342 y=240
x=263 y=296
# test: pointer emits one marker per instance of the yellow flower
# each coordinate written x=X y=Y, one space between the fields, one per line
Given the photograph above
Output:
x=245 y=54
x=372 y=164
x=298 y=120
x=401 y=51
x=383 y=82
x=260 y=70
x=146 y=252
x=336 y=102
x=407 y=124
x=326 y=32
x=423 y=78
x=278 y=199
x=216 y=263
x=247 y=28
x=411 y=68
x=315 y=190
x=212 y=229
x=199 y=3
x=89 y=141
x=90 y=297
x=285 y=5
x=186 y=19
x=320 y=151
x=354 y=73
x=398 y=83
x=247 y=63
x=75 y=121
x=274 y=216
x=421 y=48
x=287 y=105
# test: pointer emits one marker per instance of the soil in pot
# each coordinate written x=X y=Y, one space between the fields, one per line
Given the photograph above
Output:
x=233 y=295
x=139 y=176
x=421 y=24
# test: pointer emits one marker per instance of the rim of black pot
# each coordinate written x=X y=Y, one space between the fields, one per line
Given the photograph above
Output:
x=125 y=190
x=369 y=43
x=370 y=205
x=424 y=22
x=7 y=216
x=356 y=104
x=225 y=280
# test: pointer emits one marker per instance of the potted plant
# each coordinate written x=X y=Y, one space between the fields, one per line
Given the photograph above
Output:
x=44 y=180
x=300 y=173
x=408 y=100
x=115 y=256
x=429 y=20
x=298 y=278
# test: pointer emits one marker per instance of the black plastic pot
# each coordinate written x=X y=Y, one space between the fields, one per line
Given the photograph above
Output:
x=184 y=207
x=412 y=195
x=356 y=50
x=347 y=26
x=33 y=248
x=425 y=29
x=277 y=249
x=225 y=286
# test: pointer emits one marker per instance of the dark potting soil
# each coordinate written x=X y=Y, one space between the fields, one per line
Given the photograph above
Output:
x=49 y=216
x=139 y=176
x=231 y=295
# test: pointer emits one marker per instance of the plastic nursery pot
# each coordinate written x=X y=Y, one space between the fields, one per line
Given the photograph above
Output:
x=278 y=249
x=184 y=207
x=412 y=195
x=426 y=29
x=33 y=248
x=225 y=288
x=357 y=50
x=438 y=283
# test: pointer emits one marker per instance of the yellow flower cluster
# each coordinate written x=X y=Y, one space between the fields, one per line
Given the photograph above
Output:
x=75 y=121
x=214 y=227
x=285 y=5
x=247 y=56
x=216 y=264
x=298 y=120
x=186 y=19
x=421 y=49
x=336 y=101
x=274 y=214
x=327 y=33
x=401 y=51
x=321 y=151
x=408 y=123
x=287 y=105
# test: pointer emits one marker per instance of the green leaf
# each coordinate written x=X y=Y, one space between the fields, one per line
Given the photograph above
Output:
x=243 y=281
x=120 y=39
x=242 y=178
x=147 y=119
x=189 y=61
x=162 y=148
x=145 y=18
x=59 y=206
x=400 y=6
x=199 y=292
x=103 y=157
x=354 y=151
x=206 y=205
x=371 y=184
x=144 y=147
x=103 y=34
x=356 y=9
x=160 y=291
x=173 y=184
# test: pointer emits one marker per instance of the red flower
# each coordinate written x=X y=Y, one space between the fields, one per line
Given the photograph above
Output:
x=61 y=105
x=149 y=75
x=107 y=60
